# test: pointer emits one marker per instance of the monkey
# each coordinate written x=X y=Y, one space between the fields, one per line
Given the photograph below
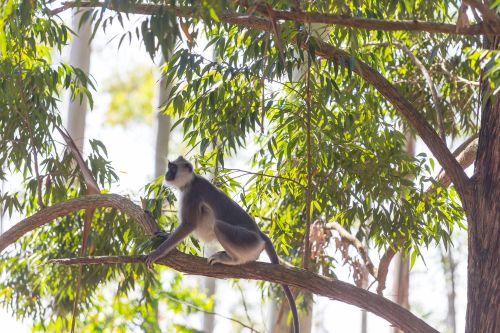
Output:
x=210 y=215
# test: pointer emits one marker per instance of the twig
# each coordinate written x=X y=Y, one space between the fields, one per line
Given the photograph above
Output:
x=265 y=175
x=210 y=312
x=307 y=243
x=362 y=250
x=430 y=84
x=245 y=306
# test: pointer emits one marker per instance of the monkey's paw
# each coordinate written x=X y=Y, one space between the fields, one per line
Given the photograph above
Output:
x=151 y=258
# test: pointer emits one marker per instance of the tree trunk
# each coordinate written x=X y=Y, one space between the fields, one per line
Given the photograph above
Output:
x=162 y=129
x=279 y=315
x=79 y=57
x=449 y=267
x=483 y=294
x=210 y=288
x=402 y=269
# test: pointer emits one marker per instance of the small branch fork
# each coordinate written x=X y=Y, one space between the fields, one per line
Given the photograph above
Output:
x=189 y=264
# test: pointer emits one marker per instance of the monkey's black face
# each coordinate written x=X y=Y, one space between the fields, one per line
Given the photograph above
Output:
x=179 y=173
x=172 y=170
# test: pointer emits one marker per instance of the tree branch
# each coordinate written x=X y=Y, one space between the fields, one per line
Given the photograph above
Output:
x=300 y=278
x=488 y=15
x=312 y=282
x=48 y=214
x=465 y=154
x=405 y=108
x=303 y=17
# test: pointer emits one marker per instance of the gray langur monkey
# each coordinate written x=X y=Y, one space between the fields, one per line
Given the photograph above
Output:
x=211 y=215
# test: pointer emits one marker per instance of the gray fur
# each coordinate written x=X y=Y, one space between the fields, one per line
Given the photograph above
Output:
x=210 y=214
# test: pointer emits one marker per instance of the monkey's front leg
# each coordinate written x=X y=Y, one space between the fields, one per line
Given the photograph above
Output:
x=169 y=244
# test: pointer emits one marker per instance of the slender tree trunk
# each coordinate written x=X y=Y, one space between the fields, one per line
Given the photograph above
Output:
x=449 y=267
x=79 y=57
x=162 y=130
x=483 y=292
x=279 y=322
x=210 y=289
x=401 y=282
x=402 y=268
x=2 y=184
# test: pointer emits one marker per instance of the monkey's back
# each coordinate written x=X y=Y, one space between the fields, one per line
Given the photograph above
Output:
x=224 y=208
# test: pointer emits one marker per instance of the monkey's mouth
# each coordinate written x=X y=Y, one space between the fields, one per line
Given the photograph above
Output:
x=169 y=176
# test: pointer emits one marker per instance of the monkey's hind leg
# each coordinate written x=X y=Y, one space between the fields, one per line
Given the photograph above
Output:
x=240 y=244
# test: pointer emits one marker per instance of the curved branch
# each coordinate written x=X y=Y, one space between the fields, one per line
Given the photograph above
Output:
x=383 y=269
x=48 y=214
x=296 y=277
x=405 y=108
x=466 y=154
x=303 y=17
x=300 y=278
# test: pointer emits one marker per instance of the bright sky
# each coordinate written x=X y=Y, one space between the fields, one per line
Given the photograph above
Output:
x=131 y=150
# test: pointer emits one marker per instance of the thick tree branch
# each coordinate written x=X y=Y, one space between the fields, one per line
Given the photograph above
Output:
x=488 y=14
x=48 y=214
x=295 y=277
x=405 y=108
x=305 y=17
x=465 y=154
x=341 y=291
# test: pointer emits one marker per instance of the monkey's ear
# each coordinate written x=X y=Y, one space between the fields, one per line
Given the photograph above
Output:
x=189 y=167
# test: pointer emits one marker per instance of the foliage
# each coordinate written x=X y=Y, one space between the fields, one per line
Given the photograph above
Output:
x=329 y=145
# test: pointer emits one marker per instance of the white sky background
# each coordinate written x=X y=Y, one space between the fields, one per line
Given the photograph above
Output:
x=131 y=150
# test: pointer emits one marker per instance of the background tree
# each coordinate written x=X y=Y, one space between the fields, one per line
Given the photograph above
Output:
x=330 y=144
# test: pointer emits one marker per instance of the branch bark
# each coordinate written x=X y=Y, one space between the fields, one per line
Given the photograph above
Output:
x=48 y=214
x=488 y=15
x=300 y=278
x=306 y=17
x=466 y=155
x=291 y=276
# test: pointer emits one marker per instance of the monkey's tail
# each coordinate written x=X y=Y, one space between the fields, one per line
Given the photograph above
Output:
x=273 y=256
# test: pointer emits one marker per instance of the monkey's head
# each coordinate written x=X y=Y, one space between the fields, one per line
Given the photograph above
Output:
x=179 y=172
